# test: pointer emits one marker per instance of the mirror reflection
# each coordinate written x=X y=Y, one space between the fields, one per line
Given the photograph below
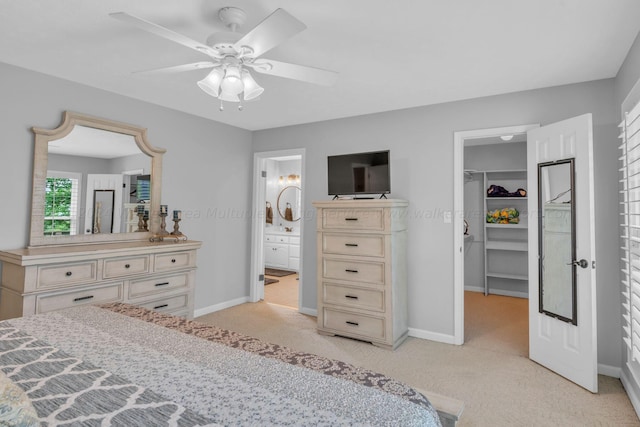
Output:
x=557 y=287
x=289 y=203
x=88 y=161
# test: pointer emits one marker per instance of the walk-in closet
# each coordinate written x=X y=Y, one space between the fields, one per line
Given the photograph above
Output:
x=496 y=220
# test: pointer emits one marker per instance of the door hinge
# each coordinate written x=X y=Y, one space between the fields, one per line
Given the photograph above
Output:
x=261 y=278
x=264 y=174
x=593 y=265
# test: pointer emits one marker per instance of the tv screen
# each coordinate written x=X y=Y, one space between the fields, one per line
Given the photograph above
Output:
x=359 y=173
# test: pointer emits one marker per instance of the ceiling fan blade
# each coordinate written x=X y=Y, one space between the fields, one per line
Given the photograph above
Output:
x=296 y=72
x=163 y=32
x=180 y=68
x=269 y=33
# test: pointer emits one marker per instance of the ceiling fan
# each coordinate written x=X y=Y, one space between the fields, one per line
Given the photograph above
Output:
x=232 y=54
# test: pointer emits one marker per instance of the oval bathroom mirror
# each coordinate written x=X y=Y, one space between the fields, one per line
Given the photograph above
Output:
x=288 y=203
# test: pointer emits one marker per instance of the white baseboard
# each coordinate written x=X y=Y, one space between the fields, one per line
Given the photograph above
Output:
x=609 y=371
x=309 y=311
x=432 y=336
x=631 y=389
x=217 y=307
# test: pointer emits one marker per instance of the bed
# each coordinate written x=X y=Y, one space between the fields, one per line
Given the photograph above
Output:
x=118 y=364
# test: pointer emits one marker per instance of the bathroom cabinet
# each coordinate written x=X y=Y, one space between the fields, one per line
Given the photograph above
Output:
x=282 y=250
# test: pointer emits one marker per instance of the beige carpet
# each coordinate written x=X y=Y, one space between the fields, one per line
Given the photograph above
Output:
x=284 y=292
x=499 y=386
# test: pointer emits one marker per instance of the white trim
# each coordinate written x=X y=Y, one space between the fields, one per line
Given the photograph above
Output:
x=221 y=306
x=458 y=216
x=256 y=287
x=630 y=385
x=432 y=336
x=609 y=371
x=309 y=311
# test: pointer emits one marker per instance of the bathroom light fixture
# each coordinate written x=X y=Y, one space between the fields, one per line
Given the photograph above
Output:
x=293 y=178
x=506 y=137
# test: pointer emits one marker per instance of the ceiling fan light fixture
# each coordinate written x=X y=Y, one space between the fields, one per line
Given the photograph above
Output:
x=232 y=81
x=251 y=88
x=211 y=83
x=229 y=97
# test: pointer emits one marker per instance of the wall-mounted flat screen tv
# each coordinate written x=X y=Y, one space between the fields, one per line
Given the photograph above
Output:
x=359 y=173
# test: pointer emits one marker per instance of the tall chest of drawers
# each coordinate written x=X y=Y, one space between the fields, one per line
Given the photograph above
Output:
x=362 y=271
x=159 y=276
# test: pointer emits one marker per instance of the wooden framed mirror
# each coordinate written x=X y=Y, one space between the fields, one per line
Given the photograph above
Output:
x=83 y=155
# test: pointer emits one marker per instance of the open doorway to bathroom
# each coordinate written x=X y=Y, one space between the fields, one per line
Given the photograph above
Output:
x=494 y=256
x=277 y=229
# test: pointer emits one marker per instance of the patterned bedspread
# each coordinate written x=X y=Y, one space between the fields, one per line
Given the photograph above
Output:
x=123 y=365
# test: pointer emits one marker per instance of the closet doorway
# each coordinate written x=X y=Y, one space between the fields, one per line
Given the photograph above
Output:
x=277 y=229
x=491 y=268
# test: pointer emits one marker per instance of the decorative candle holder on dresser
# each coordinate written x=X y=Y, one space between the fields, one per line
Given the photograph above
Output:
x=362 y=272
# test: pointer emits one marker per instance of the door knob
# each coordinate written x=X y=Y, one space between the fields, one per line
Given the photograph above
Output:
x=582 y=263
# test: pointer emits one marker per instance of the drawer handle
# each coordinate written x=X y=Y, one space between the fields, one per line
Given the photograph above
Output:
x=68 y=273
x=351 y=296
x=173 y=260
x=82 y=298
x=353 y=245
x=160 y=306
x=127 y=266
x=351 y=219
x=352 y=323
x=162 y=284
x=350 y=271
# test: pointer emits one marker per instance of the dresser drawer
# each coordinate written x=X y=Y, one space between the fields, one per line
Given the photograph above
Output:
x=174 y=261
x=355 y=271
x=175 y=303
x=353 y=219
x=125 y=266
x=144 y=287
x=353 y=244
x=95 y=295
x=354 y=324
x=67 y=274
x=349 y=296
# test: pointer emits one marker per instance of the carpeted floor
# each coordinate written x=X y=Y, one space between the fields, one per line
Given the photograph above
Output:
x=284 y=292
x=498 y=384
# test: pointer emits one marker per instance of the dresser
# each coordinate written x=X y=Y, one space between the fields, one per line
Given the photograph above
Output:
x=362 y=271
x=282 y=250
x=155 y=275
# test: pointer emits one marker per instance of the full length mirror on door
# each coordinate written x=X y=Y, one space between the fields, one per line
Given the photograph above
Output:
x=556 y=198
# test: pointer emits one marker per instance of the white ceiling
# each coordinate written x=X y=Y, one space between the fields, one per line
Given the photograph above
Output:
x=390 y=54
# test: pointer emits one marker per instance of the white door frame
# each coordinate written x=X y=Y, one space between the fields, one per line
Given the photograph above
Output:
x=458 y=217
x=256 y=286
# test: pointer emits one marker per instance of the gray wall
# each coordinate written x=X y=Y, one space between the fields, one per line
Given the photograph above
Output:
x=421 y=143
x=207 y=170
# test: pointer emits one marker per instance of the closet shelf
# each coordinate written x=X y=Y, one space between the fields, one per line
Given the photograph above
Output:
x=507 y=245
x=491 y=225
x=508 y=276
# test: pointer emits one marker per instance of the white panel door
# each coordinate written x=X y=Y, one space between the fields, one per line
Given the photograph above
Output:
x=104 y=182
x=570 y=350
